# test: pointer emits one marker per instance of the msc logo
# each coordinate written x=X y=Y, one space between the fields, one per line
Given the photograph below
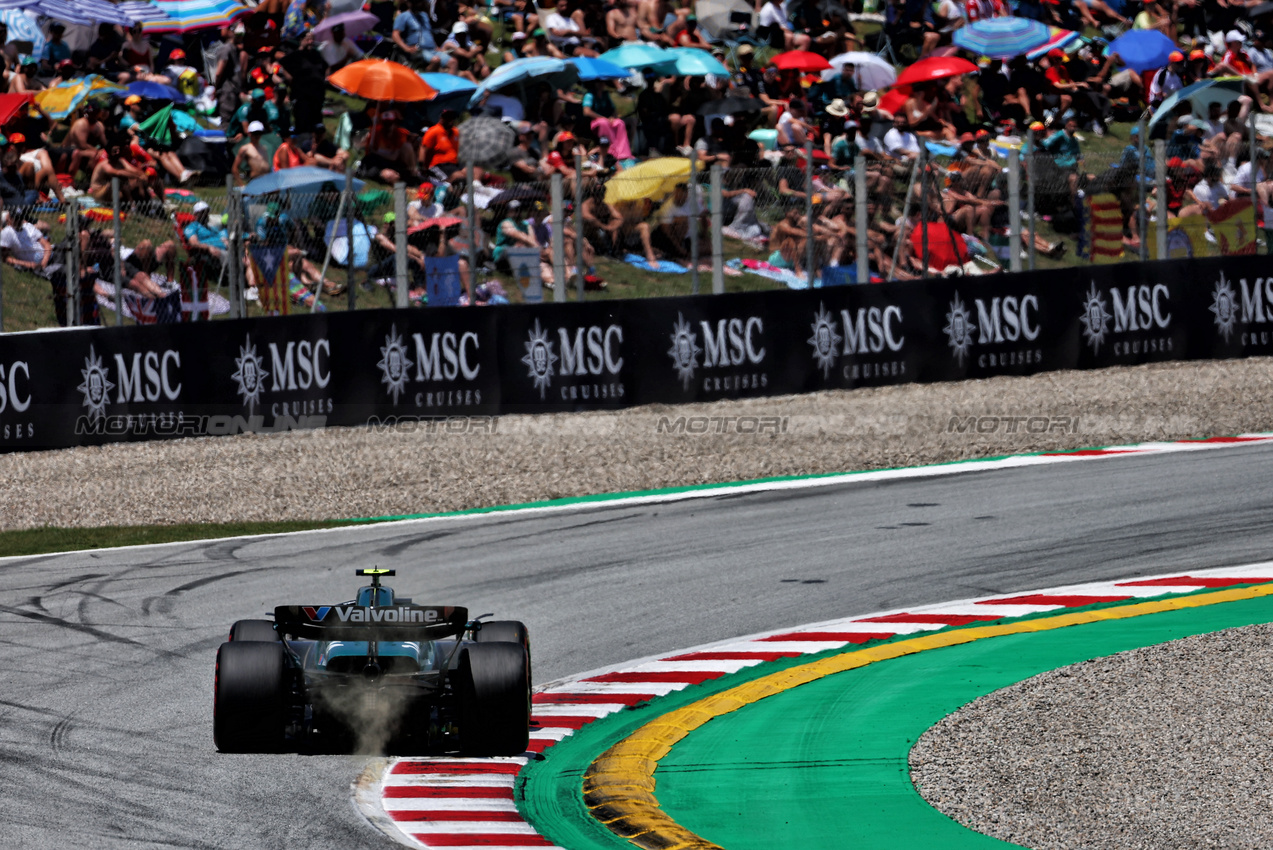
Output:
x=733 y=342
x=150 y=376
x=592 y=351
x=872 y=332
x=1136 y=309
x=447 y=356
x=316 y=613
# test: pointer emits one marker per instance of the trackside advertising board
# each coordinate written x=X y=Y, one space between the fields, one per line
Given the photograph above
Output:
x=93 y=386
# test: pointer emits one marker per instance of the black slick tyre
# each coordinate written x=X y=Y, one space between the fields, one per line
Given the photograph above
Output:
x=493 y=691
x=249 y=709
x=253 y=630
x=507 y=631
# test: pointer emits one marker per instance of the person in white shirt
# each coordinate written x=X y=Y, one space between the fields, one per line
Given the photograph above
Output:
x=900 y=142
x=1167 y=80
x=23 y=245
x=338 y=50
x=792 y=126
x=560 y=27
x=1209 y=193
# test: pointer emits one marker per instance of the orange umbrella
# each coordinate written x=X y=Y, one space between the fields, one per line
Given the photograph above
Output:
x=380 y=79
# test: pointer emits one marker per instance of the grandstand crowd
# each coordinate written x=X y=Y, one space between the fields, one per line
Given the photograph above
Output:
x=169 y=112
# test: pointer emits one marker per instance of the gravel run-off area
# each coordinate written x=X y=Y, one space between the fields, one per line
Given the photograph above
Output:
x=338 y=473
x=1162 y=748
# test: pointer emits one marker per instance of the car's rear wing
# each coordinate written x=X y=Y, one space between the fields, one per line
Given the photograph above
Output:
x=355 y=622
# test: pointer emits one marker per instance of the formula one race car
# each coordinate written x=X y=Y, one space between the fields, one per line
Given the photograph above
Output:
x=373 y=672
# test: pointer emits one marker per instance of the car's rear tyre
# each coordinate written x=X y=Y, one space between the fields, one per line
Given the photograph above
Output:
x=253 y=630
x=507 y=631
x=249 y=710
x=493 y=691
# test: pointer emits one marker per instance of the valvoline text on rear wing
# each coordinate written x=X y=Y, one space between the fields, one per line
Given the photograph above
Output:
x=355 y=622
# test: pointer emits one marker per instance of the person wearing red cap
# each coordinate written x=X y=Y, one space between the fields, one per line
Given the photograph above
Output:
x=1059 y=94
x=1166 y=81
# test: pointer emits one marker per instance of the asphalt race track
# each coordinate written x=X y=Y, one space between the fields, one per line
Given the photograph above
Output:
x=106 y=659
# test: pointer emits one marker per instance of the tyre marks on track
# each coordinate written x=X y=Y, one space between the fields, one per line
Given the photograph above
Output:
x=468 y=803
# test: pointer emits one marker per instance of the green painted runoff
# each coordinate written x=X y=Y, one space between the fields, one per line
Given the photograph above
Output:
x=825 y=765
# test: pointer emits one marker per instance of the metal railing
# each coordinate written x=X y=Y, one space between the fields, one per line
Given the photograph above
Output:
x=793 y=218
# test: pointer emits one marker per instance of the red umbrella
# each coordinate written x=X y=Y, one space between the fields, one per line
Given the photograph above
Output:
x=800 y=60
x=935 y=68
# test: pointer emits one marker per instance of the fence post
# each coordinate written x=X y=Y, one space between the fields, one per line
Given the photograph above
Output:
x=1142 y=214
x=72 y=264
x=234 y=252
x=119 y=286
x=718 y=221
x=578 y=220
x=861 y=220
x=1029 y=194
x=1014 y=210
x=1160 y=191
x=808 y=211
x=906 y=214
x=923 y=206
x=351 y=295
x=559 y=244
x=693 y=223
x=401 y=284
x=1255 y=182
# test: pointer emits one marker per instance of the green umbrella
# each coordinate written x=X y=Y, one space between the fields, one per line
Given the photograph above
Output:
x=161 y=129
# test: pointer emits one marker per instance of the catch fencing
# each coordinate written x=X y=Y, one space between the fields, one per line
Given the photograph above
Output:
x=782 y=220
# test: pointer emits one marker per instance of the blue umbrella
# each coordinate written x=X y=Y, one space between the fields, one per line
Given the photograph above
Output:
x=639 y=55
x=1142 y=50
x=152 y=91
x=1002 y=38
x=693 y=62
x=447 y=83
x=599 y=69
x=555 y=72
x=302 y=184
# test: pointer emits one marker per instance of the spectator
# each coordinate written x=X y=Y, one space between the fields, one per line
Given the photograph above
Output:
x=391 y=153
x=413 y=35
x=36 y=167
x=793 y=125
x=676 y=218
x=200 y=237
x=55 y=49
x=251 y=155
x=288 y=154
x=339 y=50
x=440 y=146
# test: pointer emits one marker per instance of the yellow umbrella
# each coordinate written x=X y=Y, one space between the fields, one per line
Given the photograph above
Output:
x=60 y=101
x=651 y=179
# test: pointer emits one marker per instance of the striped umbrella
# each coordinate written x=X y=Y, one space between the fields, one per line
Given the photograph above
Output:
x=189 y=15
x=1059 y=39
x=67 y=13
x=142 y=10
x=23 y=28
x=104 y=12
x=1002 y=38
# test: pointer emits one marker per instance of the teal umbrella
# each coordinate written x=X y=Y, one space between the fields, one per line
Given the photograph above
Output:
x=693 y=62
x=1200 y=95
x=639 y=55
